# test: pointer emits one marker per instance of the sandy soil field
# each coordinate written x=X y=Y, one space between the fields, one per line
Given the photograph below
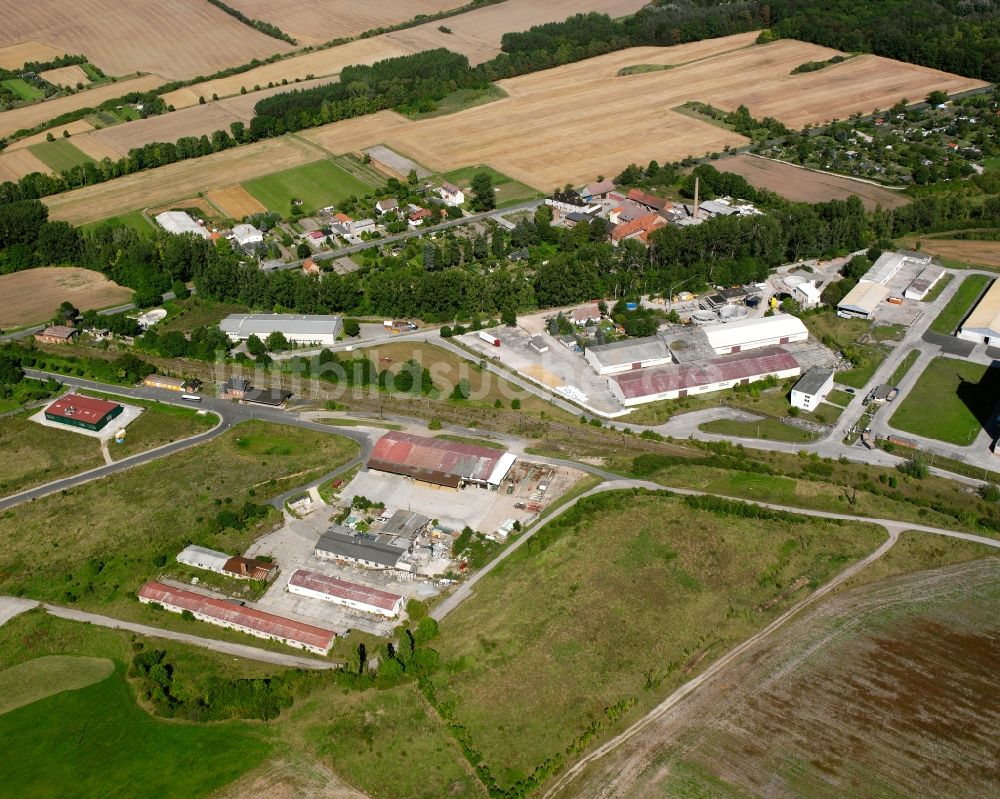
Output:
x=886 y=690
x=15 y=164
x=981 y=253
x=95 y=148
x=66 y=76
x=335 y=19
x=803 y=185
x=352 y=135
x=33 y=295
x=200 y=120
x=318 y=64
x=235 y=202
x=30 y=115
x=178 y=39
x=476 y=34
x=17 y=55
x=77 y=127
x=176 y=181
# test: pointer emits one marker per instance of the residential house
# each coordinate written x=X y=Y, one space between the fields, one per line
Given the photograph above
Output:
x=451 y=194
x=247 y=237
x=383 y=207
x=598 y=191
x=235 y=388
x=637 y=229
x=57 y=334
x=586 y=314
x=417 y=218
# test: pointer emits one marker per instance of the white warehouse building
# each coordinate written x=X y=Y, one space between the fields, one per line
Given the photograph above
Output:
x=345 y=593
x=751 y=334
x=178 y=222
x=983 y=324
x=317 y=329
x=623 y=356
x=203 y=558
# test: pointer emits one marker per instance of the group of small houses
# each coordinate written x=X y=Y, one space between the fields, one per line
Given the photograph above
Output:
x=635 y=214
x=402 y=543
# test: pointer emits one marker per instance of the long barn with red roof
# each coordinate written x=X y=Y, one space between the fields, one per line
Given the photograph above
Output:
x=440 y=462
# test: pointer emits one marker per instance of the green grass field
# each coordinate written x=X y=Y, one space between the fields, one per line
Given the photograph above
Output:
x=133 y=219
x=869 y=359
x=95 y=741
x=60 y=154
x=904 y=367
x=23 y=89
x=318 y=185
x=940 y=286
x=511 y=192
x=96 y=544
x=960 y=304
x=186 y=315
x=460 y=100
x=950 y=402
x=611 y=604
x=768 y=429
x=45 y=676
x=841 y=398
x=35 y=454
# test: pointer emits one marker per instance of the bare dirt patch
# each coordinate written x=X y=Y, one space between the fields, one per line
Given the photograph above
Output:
x=17 y=55
x=886 y=690
x=35 y=114
x=236 y=202
x=804 y=185
x=66 y=76
x=34 y=294
x=177 y=181
x=180 y=39
x=335 y=19
x=284 y=779
x=476 y=34
x=18 y=163
x=984 y=253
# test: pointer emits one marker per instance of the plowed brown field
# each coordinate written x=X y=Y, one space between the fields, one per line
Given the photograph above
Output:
x=176 y=181
x=66 y=76
x=236 y=202
x=15 y=164
x=335 y=19
x=888 y=690
x=179 y=39
x=34 y=294
x=804 y=185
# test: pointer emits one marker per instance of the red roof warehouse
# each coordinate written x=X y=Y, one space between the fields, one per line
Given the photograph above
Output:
x=343 y=592
x=85 y=412
x=238 y=617
x=438 y=461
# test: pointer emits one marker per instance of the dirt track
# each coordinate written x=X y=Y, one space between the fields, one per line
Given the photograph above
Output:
x=848 y=696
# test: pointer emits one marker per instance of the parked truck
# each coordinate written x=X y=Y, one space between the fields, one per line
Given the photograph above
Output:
x=490 y=339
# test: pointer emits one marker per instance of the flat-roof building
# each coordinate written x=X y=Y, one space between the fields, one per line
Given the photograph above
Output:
x=440 y=462
x=633 y=353
x=751 y=334
x=161 y=381
x=178 y=222
x=983 y=324
x=923 y=283
x=683 y=380
x=86 y=412
x=809 y=391
x=224 y=613
x=346 y=593
x=342 y=543
x=203 y=558
x=314 y=329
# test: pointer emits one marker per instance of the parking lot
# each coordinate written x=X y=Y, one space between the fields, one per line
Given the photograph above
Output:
x=560 y=367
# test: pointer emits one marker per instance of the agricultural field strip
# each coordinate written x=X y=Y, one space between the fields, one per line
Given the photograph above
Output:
x=180 y=39
x=30 y=295
x=894 y=529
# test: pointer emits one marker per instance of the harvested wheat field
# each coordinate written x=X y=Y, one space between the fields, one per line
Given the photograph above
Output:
x=805 y=185
x=477 y=33
x=15 y=164
x=535 y=135
x=337 y=19
x=235 y=202
x=353 y=135
x=78 y=126
x=66 y=76
x=96 y=149
x=970 y=251
x=322 y=63
x=170 y=183
x=35 y=114
x=13 y=56
x=887 y=690
x=202 y=120
x=179 y=39
x=34 y=294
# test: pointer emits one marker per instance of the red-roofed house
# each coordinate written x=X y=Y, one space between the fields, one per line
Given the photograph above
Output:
x=343 y=592
x=310 y=267
x=683 y=380
x=342 y=218
x=86 y=412
x=57 y=334
x=650 y=201
x=417 y=217
x=638 y=228
x=224 y=613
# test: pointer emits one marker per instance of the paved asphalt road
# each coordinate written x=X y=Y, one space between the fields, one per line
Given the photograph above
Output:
x=229 y=413
x=225 y=647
